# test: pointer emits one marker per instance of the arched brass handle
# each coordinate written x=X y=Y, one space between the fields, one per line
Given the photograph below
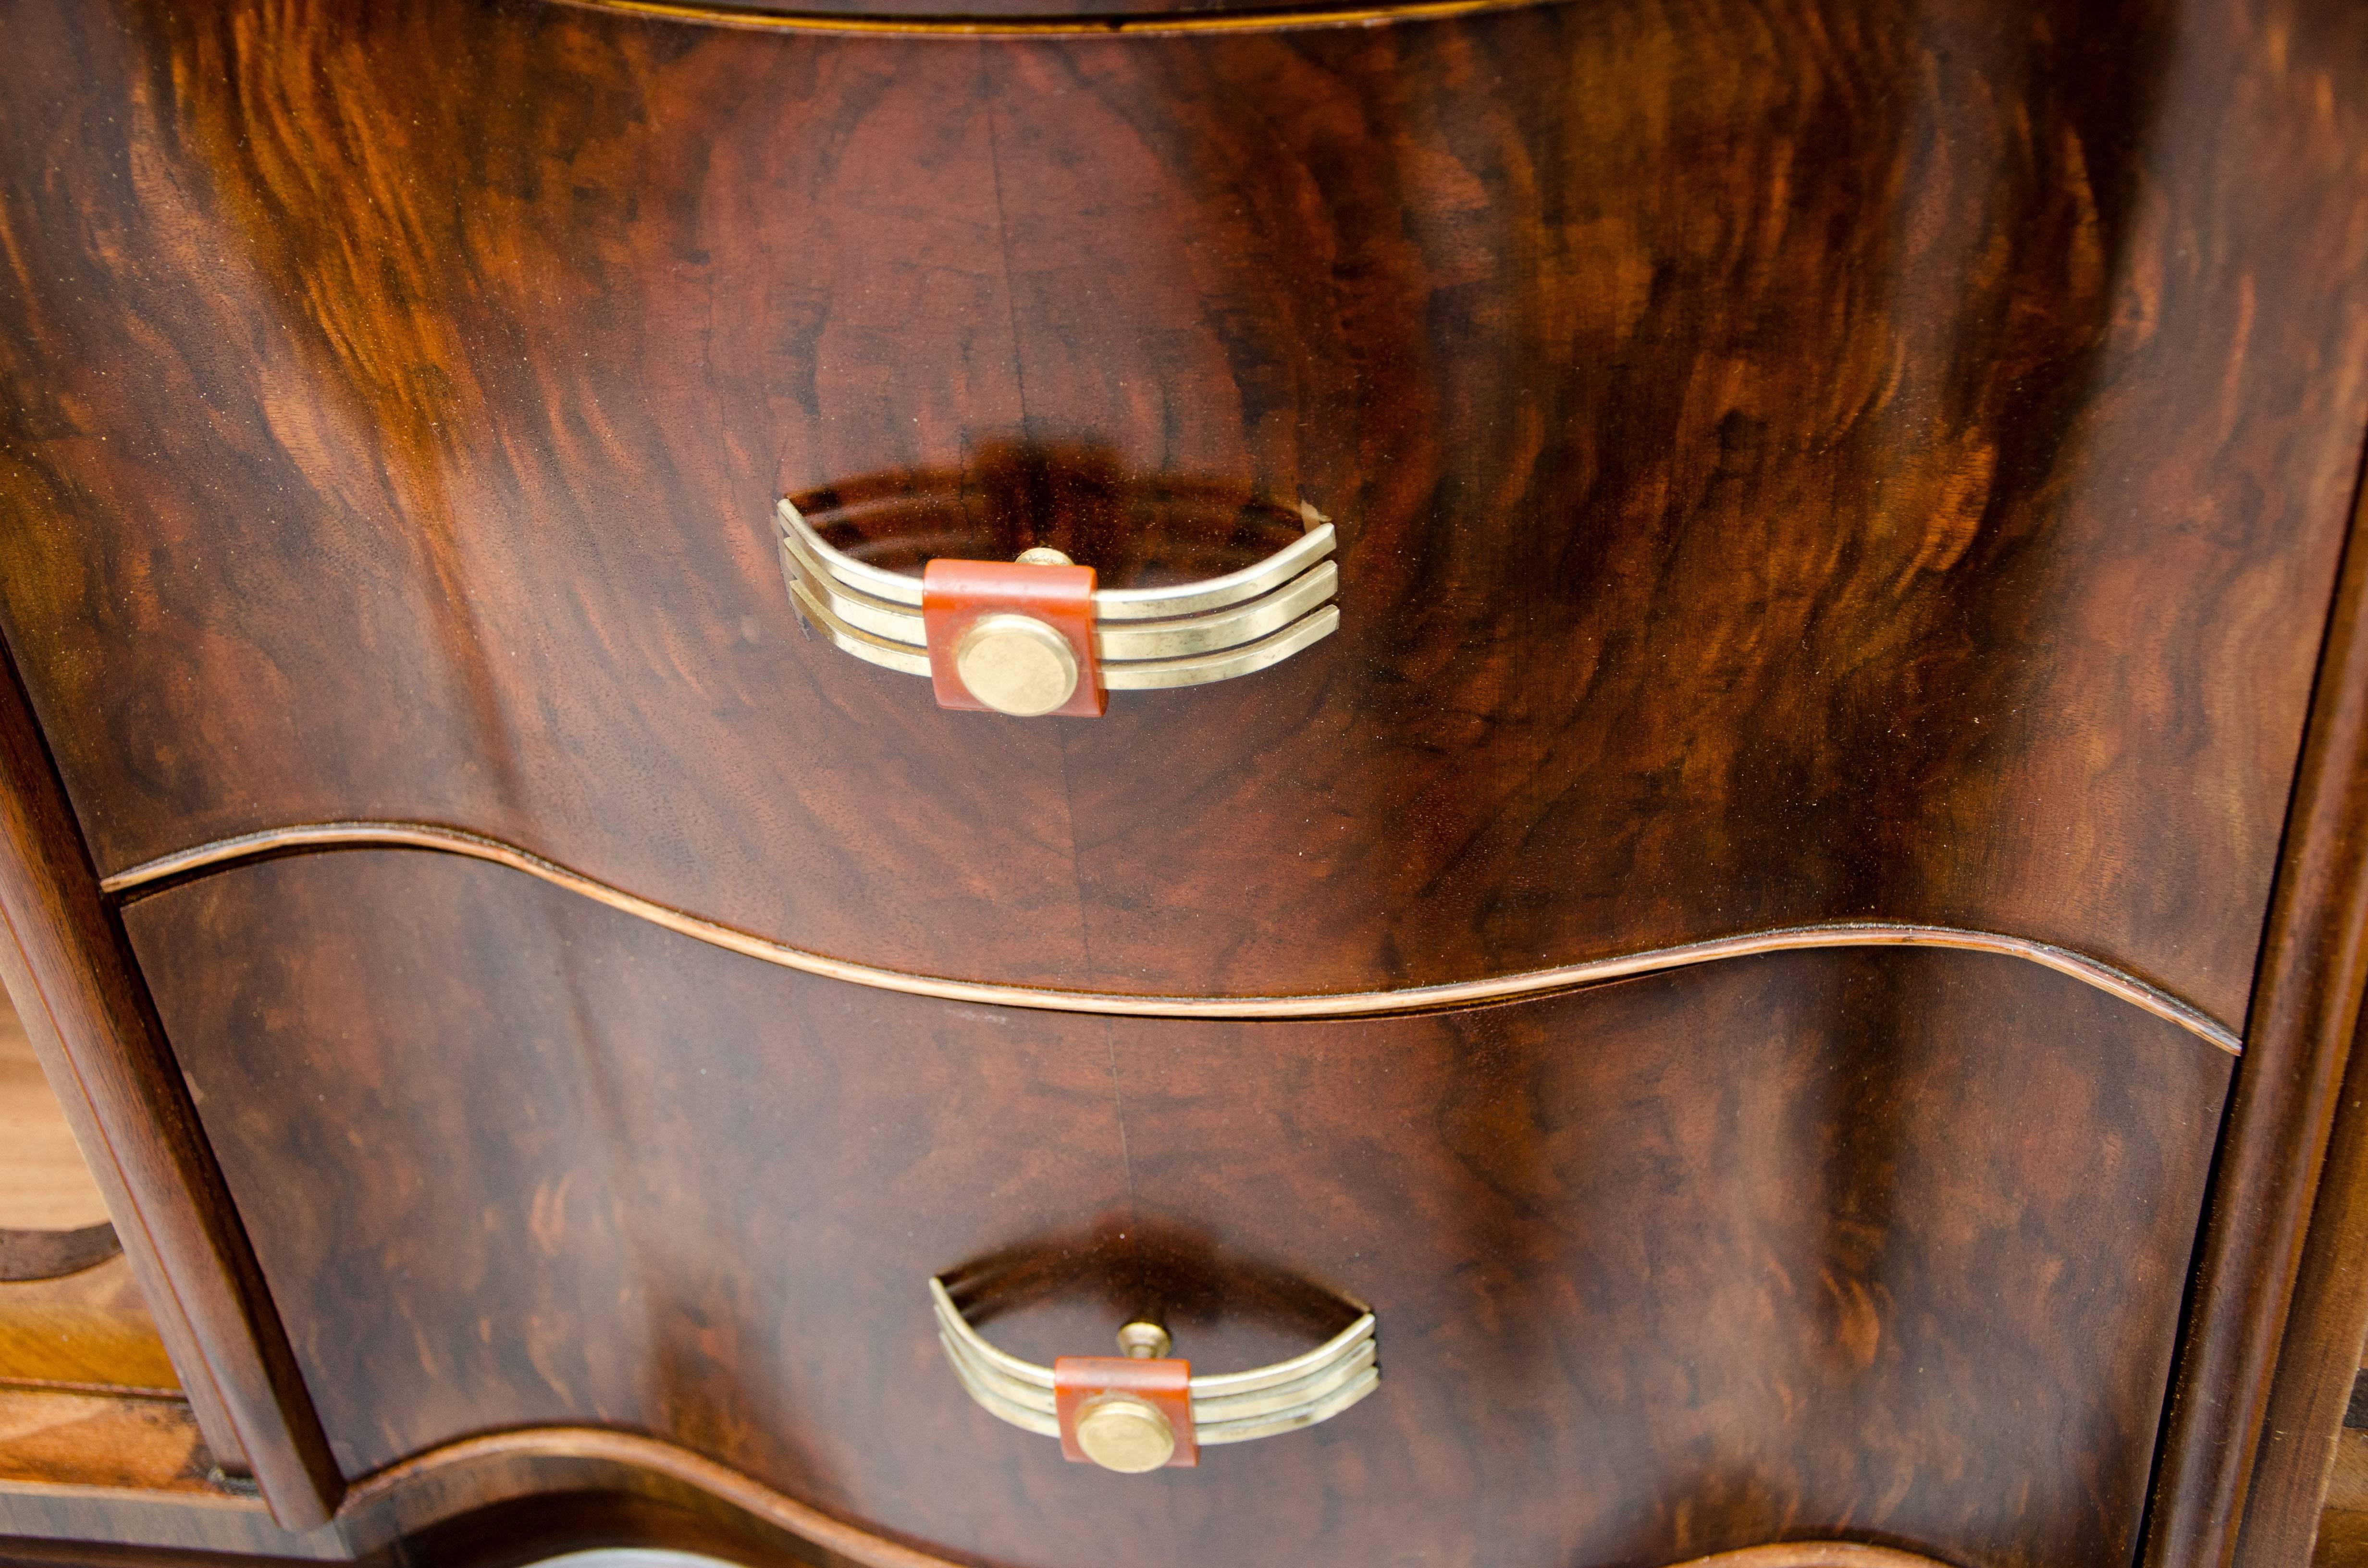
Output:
x=1127 y=639
x=1077 y=1394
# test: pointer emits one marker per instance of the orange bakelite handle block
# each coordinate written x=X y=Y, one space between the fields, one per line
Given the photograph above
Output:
x=956 y=592
x=1166 y=1384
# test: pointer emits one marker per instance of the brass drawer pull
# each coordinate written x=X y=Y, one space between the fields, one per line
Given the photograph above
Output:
x=1130 y=639
x=1117 y=1412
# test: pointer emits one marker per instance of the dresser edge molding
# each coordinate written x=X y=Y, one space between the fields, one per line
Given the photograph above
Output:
x=2298 y=1033
x=87 y=1012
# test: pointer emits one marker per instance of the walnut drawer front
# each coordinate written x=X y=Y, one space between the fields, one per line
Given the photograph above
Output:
x=1749 y=516
x=1884 y=1241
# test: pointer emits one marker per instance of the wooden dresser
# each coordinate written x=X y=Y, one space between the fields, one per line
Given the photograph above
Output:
x=1719 y=895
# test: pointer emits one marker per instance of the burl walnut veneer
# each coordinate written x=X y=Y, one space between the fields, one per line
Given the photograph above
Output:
x=1797 y=946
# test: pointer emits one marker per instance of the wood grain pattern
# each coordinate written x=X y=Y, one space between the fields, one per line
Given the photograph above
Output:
x=44 y=1185
x=87 y=1439
x=2305 y=1010
x=1889 y=1243
x=2320 y=1353
x=54 y=1254
x=1007 y=18
x=86 y=1469
x=31 y=1552
x=586 y=1486
x=63 y=962
x=581 y=1463
x=157 y=1524
x=636 y=1506
x=1839 y=934
x=464 y=1481
x=90 y=1331
x=2343 y=1542
x=624 y=1508
x=2347 y=1479
x=1835 y=463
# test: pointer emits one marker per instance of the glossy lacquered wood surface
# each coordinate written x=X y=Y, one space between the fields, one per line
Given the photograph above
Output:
x=1840 y=461
x=1005 y=18
x=87 y=1013
x=2289 y=1500
x=1884 y=1244
x=2242 y=1452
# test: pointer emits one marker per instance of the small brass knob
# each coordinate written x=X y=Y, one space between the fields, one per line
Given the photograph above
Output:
x=1016 y=664
x=1123 y=1433
x=1144 y=1341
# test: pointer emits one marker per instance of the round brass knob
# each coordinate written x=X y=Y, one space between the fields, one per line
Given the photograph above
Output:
x=1123 y=1433
x=1016 y=664
x=1144 y=1341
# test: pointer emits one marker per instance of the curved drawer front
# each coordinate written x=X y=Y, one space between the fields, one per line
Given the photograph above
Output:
x=1744 y=519
x=1885 y=1242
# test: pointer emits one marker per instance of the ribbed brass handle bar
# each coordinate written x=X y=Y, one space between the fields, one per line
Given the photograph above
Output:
x=1143 y=639
x=1231 y=1408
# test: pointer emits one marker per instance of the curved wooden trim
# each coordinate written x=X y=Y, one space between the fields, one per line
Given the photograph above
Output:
x=1154 y=24
x=499 y=1467
x=1338 y=1004
x=53 y=1255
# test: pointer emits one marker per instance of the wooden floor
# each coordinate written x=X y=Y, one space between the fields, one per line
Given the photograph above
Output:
x=2343 y=1526
x=87 y=1398
x=44 y=1185
x=97 y=1440
x=87 y=1332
